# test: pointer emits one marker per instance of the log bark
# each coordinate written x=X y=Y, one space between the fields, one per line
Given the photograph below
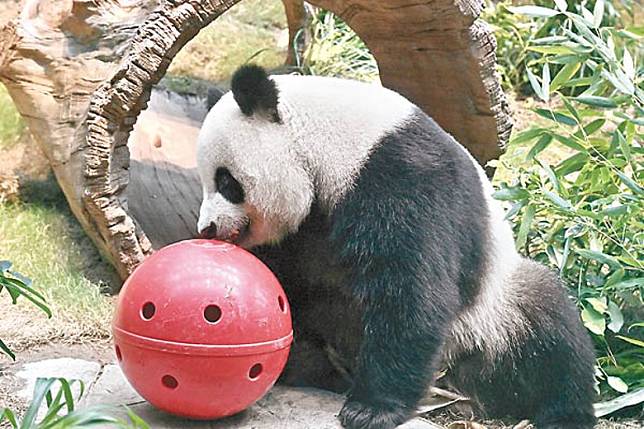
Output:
x=82 y=71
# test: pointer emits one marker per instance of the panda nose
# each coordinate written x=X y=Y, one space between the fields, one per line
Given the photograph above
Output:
x=209 y=232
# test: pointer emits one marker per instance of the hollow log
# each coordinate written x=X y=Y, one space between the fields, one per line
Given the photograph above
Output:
x=82 y=73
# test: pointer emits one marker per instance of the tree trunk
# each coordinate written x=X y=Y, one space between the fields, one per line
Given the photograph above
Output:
x=82 y=71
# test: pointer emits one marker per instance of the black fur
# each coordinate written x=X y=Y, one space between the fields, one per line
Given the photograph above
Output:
x=228 y=186
x=375 y=284
x=254 y=92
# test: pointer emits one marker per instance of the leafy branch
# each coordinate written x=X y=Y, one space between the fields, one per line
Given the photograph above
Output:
x=18 y=285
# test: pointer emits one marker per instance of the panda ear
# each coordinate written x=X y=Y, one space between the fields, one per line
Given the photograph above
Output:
x=255 y=92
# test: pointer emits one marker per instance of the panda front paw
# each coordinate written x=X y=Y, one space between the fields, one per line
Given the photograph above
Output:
x=360 y=415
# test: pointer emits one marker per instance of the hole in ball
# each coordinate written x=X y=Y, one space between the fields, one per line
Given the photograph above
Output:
x=212 y=313
x=148 y=310
x=255 y=371
x=119 y=356
x=281 y=303
x=169 y=381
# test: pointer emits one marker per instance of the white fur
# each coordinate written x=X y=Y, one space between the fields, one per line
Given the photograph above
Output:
x=330 y=127
x=494 y=321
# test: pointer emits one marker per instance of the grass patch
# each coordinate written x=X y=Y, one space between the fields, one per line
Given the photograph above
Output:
x=11 y=123
x=335 y=50
x=45 y=242
x=249 y=30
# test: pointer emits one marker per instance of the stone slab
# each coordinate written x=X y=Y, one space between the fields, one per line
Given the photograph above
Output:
x=282 y=408
x=68 y=368
x=111 y=388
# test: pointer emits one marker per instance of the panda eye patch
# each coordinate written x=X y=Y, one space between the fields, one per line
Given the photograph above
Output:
x=228 y=186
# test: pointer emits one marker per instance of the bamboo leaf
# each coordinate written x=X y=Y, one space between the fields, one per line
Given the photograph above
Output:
x=617 y=276
x=533 y=11
x=549 y=40
x=596 y=101
x=562 y=5
x=630 y=183
x=511 y=194
x=580 y=81
x=526 y=222
x=587 y=16
x=545 y=82
x=539 y=146
x=556 y=116
x=535 y=85
x=552 y=177
x=598 y=13
x=564 y=75
x=566 y=141
x=599 y=304
x=619 y=81
x=617 y=384
x=630 y=283
x=598 y=256
x=558 y=201
x=573 y=111
x=623 y=145
x=616 y=317
x=592 y=127
x=571 y=164
x=635 y=341
x=527 y=135
x=515 y=209
x=593 y=320
x=553 y=50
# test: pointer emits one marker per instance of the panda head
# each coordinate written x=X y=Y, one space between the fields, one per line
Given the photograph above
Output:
x=256 y=189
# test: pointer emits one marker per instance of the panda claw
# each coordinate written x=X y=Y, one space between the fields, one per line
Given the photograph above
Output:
x=358 y=415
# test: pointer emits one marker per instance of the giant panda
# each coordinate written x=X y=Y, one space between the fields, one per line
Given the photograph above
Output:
x=394 y=256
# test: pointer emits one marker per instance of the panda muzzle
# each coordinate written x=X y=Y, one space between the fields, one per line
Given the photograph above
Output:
x=209 y=232
x=234 y=236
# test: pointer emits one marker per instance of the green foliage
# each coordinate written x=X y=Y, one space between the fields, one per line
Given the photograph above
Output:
x=60 y=412
x=335 y=50
x=583 y=213
x=522 y=40
x=18 y=285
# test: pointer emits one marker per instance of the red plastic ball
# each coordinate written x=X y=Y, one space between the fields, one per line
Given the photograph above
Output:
x=202 y=329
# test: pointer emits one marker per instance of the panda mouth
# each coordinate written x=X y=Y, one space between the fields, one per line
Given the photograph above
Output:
x=238 y=234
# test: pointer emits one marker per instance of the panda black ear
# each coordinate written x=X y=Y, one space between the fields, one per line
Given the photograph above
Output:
x=255 y=92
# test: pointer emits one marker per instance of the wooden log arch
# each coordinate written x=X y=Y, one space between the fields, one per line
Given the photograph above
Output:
x=437 y=53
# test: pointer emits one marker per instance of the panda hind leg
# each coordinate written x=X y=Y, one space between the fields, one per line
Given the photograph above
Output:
x=544 y=374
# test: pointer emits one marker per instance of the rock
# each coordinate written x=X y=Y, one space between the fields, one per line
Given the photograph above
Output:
x=111 y=388
x=68 y=368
